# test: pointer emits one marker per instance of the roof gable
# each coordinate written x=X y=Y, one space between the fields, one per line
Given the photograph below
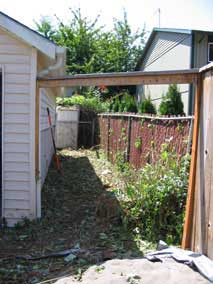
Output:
x=29 y=36
x=152 y=37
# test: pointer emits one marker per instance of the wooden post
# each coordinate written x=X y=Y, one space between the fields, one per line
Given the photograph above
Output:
x=93 y=133
x=108 y=133
x=191 y=188
x=128 y=138
x=37 y=132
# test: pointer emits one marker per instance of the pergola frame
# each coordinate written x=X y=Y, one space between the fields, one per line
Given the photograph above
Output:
x=119 y=79
x=136 y=78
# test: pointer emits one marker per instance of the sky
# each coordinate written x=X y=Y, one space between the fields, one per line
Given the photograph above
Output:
x=188 y=14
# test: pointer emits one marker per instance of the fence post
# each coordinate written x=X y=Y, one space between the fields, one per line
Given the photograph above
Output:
x=108 y=133
x=93 y=132
x=128 y=138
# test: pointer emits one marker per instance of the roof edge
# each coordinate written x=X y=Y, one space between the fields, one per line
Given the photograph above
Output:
x=29 y=36
x=171 y=30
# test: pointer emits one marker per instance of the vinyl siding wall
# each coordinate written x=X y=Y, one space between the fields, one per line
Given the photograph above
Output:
x=168 y=51
x=47 y=99
x=200 y=49
x=19 y=78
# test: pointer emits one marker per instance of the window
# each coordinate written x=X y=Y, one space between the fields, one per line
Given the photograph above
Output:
x=210 y=48
x=210 y=51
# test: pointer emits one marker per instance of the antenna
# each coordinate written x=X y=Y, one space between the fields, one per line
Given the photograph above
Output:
x=158 y=11
x=159 y=14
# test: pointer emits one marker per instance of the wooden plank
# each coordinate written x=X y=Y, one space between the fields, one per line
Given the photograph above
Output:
x=191 y=188
x=37 y=132
x=118 y=79
x=208 y=82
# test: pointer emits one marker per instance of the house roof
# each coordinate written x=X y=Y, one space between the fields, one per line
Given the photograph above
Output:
x=30 y=36
x=167 y=30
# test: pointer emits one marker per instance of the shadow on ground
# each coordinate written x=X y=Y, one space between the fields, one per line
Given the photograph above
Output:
x=78 y=211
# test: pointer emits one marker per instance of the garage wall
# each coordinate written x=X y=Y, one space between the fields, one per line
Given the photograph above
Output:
x=18 y=62
x=47 y=99
x=168 y=51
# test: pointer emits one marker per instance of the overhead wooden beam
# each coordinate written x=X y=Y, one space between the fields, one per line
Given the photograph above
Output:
x=187 y=231
x=119 y=79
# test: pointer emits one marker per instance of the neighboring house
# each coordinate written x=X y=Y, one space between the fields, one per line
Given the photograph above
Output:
x=173 y=49
x=23 y=55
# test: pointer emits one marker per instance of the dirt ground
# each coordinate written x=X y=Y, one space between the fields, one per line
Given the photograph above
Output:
x=80 y=212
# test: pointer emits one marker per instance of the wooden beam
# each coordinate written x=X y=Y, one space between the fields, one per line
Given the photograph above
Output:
x=192 y=176
x=37 y=132
x=119 y=79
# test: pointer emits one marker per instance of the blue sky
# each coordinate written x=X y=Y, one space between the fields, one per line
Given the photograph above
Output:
x=190 y=14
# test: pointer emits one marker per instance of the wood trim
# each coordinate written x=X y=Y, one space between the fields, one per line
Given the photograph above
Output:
x=187 y=232
x=32 y=94
x=118 y=79
x=37 y=99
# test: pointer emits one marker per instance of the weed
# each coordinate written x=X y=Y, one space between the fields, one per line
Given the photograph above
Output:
x=155 y=199
x=138 y=143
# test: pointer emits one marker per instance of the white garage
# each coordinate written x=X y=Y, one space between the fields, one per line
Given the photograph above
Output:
x=26 y=146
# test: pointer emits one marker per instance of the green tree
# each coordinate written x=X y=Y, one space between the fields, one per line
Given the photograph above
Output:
x=91 y=49
x=147 y=106
x=172 y=103
x=46 y=28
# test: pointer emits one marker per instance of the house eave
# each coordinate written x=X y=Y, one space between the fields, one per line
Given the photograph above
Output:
x=29 y=36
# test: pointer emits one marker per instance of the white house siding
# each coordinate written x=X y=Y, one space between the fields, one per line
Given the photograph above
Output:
x=18 y=62
x=47 y=99
x=168 y=51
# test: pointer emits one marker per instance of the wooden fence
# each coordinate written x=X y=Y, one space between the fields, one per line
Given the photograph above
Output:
x=201 y=233
x=139 y=138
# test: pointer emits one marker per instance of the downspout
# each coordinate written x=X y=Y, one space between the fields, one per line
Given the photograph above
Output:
x=58 y=64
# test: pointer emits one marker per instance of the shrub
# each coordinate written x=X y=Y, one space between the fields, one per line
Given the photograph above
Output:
x=90 y=103
x=172 y=103
x=156 y=201
x=124 y=102
x=147 y=106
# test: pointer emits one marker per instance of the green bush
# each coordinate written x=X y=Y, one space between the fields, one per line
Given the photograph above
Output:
x=147 y=106
x=90 y=103
x=123 y=102
x=172 y=103
x=155 y=203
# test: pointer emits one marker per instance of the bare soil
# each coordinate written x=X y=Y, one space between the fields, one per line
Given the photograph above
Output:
x=79 y=210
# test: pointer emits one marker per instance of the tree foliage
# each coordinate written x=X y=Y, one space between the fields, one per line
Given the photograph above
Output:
x=172 y=103
x=90 y=48
x=147 y=106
